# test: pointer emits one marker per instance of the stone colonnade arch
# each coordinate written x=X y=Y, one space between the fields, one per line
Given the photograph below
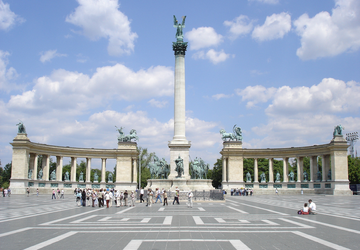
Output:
x=334 y=158
x=25 y=158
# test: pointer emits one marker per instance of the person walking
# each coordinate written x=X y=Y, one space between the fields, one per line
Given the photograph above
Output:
x=37 y=192
x=132 y=196
x=107 y=198
x=126 y=196
x=276 y=191
x=62 y=194
x=158 y=195
x=190 y=195
x=58 y=193
x=165 y=198
x=83 y=198
x=28 y=191
x=53 y=195
x=141 y=195
x=176 y=197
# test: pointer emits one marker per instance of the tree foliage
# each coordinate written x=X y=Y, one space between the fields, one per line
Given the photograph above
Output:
x=354 y=170
x=145 y=157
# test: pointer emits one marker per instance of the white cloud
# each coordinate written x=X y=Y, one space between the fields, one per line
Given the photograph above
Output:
x=158 y=104
x=50 y=54
x=6 y=74
x=8 y=18
x=102 y=19
x=74 y=92
x=255 y=94
x=327 y=35
x=213 y=56
x=219 y=96
x=203 y=37
x=266 y=1
x=275 y=27
x=239 y=26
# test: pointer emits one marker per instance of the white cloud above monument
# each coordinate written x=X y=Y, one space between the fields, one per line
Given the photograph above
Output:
x=8 y=19
x=274 y=27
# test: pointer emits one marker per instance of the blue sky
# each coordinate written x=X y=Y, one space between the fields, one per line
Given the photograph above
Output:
x=285 y=71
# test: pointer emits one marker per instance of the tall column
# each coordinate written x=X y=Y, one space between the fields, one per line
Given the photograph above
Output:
x=271 y=172
x=73 y=169
x=323 y=168
x=285 y=169
x=103 y=170
x=224 y=171
x=31 y=164
x=179 y=146
x=313 y=168
x=256 y=171
x=300 y=168
x=88 y=169
x=35 y=172
x=326 y=167
x=46 y=163
x=59 y=168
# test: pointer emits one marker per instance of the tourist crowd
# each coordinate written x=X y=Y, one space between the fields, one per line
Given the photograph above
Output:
x=241 y=192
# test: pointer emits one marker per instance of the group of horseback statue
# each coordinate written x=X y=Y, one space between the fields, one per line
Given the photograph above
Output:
x=159 y=168
x=199 y=169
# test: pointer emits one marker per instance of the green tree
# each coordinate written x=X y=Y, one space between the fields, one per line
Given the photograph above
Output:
x=66 y=168
x=145 y=159
x=248 y=167
x=216 y=174
x=6 y=175
x=80 y=168
x=354 y=170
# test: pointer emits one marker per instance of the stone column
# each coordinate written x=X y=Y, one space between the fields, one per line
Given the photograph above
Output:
x=73 y=169
x=135 y=161
x=256 y=171
x=88 y=169
x=313 y=168
x=46 y=163
x=325 y=167
x=285 y=169
x=224 y=171
x=271 y=172
x=35 y=172
x=59 y=168
x=300 y=168
x=31 y=164
x=103 y=170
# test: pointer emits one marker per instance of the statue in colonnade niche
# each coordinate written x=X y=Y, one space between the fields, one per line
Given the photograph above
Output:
x=53 y=176
x=67 y=176
x=96 y=177
x=248 y=177
x=262 y=177
x=305 y=176
x=110 y=177
x=318 y=176
x=338 y=130
x=21 y=128
x=81 y=177
x=179 y=166
x=292 y=176
x=329 y=175
x=277 y=178
x=30 y=174
x=40 y=174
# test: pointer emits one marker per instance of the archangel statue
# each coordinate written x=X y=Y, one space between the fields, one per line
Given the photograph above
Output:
x=179 y=27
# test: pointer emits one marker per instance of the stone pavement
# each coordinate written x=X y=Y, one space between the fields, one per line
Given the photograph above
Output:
x=252 y=222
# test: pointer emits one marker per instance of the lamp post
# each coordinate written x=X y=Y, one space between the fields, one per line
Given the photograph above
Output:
x=352 y=138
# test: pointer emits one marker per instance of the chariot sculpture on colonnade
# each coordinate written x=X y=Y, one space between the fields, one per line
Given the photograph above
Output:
x=235 y=136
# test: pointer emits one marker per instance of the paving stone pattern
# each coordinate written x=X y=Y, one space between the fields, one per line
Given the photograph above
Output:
x=252 y=222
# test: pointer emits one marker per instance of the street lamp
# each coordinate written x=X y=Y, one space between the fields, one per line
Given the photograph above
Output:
x=352 y=138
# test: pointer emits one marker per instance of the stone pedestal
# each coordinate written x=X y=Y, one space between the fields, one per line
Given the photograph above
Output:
x=176 y=150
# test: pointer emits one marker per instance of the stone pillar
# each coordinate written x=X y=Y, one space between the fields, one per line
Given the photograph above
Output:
x=88 y=169
x=224 y=171
x=323 y=168
x=127 y=151
x=134 y=164
x=31 y=164
x=73 y=169
x=256 y=171
x=326 y=161
x=103 y=170
x=46 y=166
x=285 y=169
x=300 y=168
x=59 y=168
x=271 y=172
x=35 y=172
x=313 y=168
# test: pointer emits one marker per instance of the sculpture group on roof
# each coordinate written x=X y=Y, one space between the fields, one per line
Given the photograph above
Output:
x=126 y=138
x=235 y=136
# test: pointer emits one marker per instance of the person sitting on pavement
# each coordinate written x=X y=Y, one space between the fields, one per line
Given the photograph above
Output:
x=305 y=209
x=312 y=207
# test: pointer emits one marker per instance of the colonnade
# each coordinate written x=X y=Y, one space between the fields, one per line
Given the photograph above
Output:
x=26 y=154
x=334 y=158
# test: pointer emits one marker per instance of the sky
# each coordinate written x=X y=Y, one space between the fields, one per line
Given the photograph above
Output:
x=284 y=71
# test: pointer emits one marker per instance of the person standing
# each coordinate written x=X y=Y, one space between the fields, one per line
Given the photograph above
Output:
x=276 y=191
x=37 y=192
x=176 y=197
x=126 y=196
x=165 y=198
x=83 y=198
x=141 y=195
x=158 y=195
x=190 y=195
x=58 y=193
x=117 y=197
x=53 y=195
x=28 y=191
x=132 y=196
x=151 y=197
x=107 y=198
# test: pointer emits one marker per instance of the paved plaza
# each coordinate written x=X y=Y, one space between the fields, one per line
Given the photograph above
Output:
x=252 y=222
